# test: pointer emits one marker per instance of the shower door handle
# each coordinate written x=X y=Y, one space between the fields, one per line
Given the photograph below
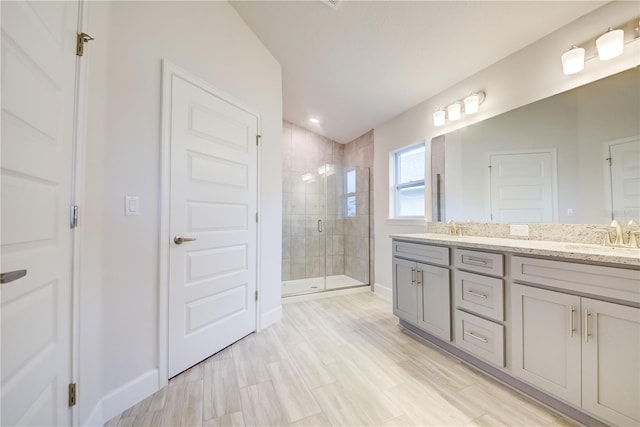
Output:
x=319 y=226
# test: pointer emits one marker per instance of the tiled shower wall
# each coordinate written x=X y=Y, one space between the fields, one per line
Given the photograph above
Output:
x=359 y=264
x=303 y=203
x=348 y=241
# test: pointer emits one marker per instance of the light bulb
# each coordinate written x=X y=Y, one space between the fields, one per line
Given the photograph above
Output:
x=454 y=111
x=471 y=103
x=439 y=118
x=573 y=60
x=610 y=44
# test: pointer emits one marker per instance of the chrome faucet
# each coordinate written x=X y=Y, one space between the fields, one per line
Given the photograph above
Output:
x=619 y=240
x=453 y=227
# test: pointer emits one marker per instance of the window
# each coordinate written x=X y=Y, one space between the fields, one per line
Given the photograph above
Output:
x=408 y=180
x=350 y=193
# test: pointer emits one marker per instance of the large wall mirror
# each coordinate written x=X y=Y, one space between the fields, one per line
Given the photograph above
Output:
x=571 y=158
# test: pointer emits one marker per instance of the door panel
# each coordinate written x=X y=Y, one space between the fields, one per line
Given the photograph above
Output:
x=610 y=360
x=38 y=81
x=625 y=180
x=213 y=200
x=435 y=300
x=546 y=352
x=521 y=187
x=405 y=294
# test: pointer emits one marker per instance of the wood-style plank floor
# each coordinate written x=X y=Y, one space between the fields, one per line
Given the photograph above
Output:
x=339 y=361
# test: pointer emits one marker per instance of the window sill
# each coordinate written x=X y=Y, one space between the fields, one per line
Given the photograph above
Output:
x=407 y=222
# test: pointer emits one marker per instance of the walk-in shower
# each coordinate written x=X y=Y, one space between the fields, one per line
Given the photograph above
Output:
x=325 y=229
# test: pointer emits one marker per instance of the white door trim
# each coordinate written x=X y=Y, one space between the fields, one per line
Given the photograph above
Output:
x=78 y=198
x=608 y=190
x=168 y=70
x=554 y=177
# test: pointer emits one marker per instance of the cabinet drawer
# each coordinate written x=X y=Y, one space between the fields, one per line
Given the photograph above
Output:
x=480 y=337
x=610 y=282
x=480 y=262
x=420 y=252
x=480 y=294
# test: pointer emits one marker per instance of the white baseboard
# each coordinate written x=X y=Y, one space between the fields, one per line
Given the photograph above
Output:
x=270 y=317
x=129 y=394
x=95 y=418
x=383 y=291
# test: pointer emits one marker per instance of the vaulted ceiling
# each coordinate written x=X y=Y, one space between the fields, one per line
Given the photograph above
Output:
x=366 y=62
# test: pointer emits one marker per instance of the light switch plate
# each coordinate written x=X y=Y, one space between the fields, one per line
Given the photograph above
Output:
x=131 y=205
x=519 y=230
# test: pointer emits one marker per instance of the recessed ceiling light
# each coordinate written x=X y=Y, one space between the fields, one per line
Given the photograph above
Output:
x=314 y=121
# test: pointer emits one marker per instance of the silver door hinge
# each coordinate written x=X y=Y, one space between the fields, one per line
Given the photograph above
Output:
x=256 y=295
x=72 y=394
x=80 y=41
x=74 y=216
x=258 y=139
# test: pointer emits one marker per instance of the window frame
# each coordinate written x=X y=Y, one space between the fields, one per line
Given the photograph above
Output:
x=398 y=186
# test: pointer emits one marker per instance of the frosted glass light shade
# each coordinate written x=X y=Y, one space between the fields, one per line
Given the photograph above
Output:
x=471 y=104
x=454 y=111
x=438 y=118
x=610 y=44
x=572 y=60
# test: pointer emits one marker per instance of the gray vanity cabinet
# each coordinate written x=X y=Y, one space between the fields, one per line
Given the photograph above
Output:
x=584 y=351
x=421 y=291
x=611 y=361
x=545 y=331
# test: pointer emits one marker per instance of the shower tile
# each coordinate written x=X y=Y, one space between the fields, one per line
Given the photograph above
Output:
x=329 y=266
x=362 y=180
x=297 y=204
x=286 y=225
x=338 y=265
x=312 y=203
x=325 y=145
x=338 y=227
x=298 y=269
x=313 y=267
x=362 y=203
x=328 y=241
x=287 y=159
x=298 y=246
x=286 y=269
x=312 y=247
x=297 y=184
x=286 y=203
x=298 y=224
x=286 y=181
x=298 y=160
x=322 y=244
x=338 y=244
x=298 y=138
x=286 y=248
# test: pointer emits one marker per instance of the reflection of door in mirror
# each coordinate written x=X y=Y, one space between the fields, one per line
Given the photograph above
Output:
x=624 y=160
x=522 y=186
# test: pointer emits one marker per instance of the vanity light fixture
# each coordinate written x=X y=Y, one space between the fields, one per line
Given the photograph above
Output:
x=606 y=46
x=439 y=118
x=454 y=111
x=610 y=44
x=307 y=177
x=573 y=60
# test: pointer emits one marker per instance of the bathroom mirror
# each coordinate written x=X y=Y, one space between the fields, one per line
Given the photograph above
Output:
x=570 y=158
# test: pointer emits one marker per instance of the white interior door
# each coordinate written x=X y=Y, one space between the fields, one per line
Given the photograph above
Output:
x=625 y=180
x=212 y=279
x=521 y=187
x=38 y=79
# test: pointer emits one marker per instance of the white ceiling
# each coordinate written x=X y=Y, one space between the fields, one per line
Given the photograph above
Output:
x=368 y=61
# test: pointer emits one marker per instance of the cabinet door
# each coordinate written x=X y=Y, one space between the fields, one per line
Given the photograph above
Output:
x=545 y=337
x=611 y=361
x=405 y=293
x=434 y=289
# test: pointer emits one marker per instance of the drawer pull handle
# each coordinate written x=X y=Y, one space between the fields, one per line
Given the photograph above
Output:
x=475 y=294
x=572 y=329
x=475 y=261
x=413 y=276
x=585 y=327
x=420 y=278
x=472 y=335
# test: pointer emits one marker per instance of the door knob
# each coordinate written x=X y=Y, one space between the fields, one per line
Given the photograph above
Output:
x=12 y=275
x=178 y=240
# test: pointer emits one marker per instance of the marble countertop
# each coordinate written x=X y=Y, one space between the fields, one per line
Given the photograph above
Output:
x=578 y=251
